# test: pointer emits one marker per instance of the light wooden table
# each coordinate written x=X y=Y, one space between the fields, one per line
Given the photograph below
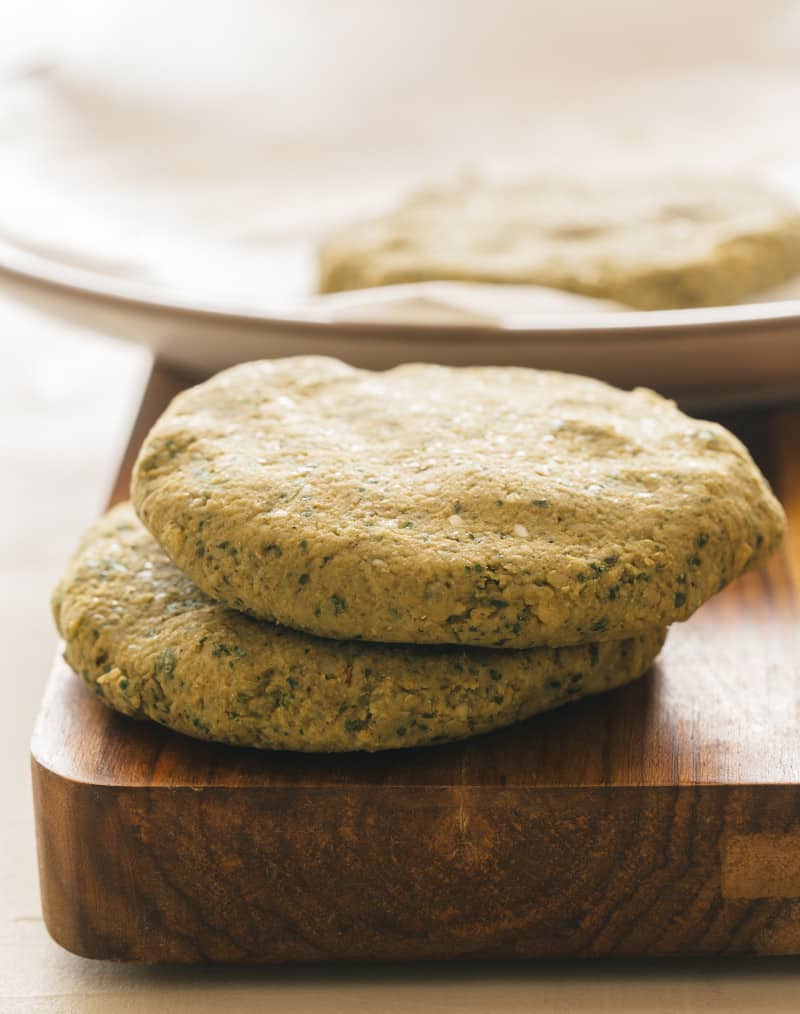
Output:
x=66 y=402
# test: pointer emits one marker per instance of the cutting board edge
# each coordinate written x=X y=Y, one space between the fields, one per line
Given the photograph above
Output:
x=186 y=874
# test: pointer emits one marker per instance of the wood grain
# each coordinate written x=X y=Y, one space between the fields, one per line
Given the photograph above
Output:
x=661 y=819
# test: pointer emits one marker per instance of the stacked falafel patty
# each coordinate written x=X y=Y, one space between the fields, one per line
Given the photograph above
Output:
x=322 y=558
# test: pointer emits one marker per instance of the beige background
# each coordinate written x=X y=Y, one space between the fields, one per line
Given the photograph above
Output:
x=198 y=148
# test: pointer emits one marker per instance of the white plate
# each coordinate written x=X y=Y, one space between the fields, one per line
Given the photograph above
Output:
x=708 y=357
x=180 y=208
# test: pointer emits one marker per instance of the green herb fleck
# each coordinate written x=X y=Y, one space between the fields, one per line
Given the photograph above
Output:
x=680 y=599
x=339 y=604
x=165 y=666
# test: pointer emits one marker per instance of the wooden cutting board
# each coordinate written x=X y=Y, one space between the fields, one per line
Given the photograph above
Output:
x=662 y=819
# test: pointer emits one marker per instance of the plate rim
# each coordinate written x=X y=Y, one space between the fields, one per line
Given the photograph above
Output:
x=32 y=268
